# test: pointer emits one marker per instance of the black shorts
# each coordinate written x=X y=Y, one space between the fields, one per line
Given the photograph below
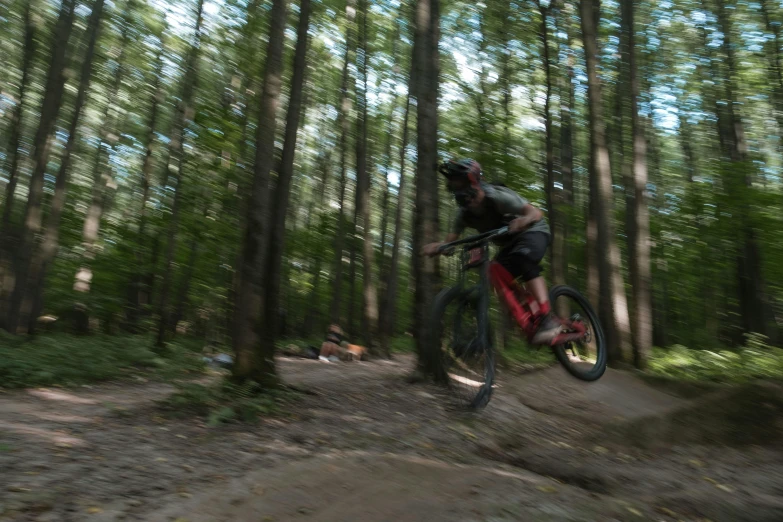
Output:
x=523 y=257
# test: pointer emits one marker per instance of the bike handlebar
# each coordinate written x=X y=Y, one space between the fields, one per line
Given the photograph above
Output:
x=479 y=238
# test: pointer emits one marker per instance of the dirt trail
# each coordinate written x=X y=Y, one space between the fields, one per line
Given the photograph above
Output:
x=370 y=447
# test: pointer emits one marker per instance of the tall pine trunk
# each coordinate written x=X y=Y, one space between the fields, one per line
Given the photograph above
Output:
x=609 y=263
x=313 y=302
x=139 y=292
x=370 y=296
x=48 y=249
x=12 y=159
x=285 y=173
x=183 y=119
x=184 y=286
x=254 y=357
x=50 y=109
x=426 y=227
x=344 y=125
x=31 y=300
x=549 y=141
x=12 y=163
x=755 y=310
x=639 y=246
x=564 y=199
x=108 y=137
x=504 y=81
x=390 y=296
x=775 y=68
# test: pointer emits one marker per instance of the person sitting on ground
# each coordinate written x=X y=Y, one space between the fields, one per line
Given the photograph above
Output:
x=336 y=347
x=333 y=346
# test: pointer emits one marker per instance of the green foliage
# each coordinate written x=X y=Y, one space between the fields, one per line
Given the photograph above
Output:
x=226 y=401
x=71 y=360
x=754 y=360
x=403 y=344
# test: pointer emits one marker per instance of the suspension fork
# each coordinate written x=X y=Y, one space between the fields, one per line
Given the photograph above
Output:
x=484 y=292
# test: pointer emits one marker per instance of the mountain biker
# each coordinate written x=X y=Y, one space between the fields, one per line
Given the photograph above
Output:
x=484 y=207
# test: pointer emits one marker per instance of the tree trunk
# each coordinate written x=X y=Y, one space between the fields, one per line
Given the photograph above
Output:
x=313 y=302
x=108 y=137
x=285 y=174
x=482 y=98
x=382 y=265
x=549 y=141
x=254 y=358
x=639 y=251
x=386 y=188
x=352 y=246
x=775 y=74
x=50 y=109
x=12 y=163
x=187 y=277
x=344 y=124
x=387 y=159
x=48 y=249
x=565 y=198
x=102 y=175
x=32 y=302
x=612 y=287
x=140 y=291
x=754 y=306
x=391 y=274
x=504 y=81
x=389 y=303
x=686 y=140
x=12 y=159
x=426 y=226
x=370 y=297
x=183 y=118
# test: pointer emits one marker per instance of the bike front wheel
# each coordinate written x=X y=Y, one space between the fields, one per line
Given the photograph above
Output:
x=465 y=351
x=586 y=357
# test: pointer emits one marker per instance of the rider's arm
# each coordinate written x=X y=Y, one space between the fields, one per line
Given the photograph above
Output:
x=508 y=202
x=528 y=215
x=432 y=248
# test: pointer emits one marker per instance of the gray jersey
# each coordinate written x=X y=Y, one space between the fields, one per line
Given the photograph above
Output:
x=500 y=205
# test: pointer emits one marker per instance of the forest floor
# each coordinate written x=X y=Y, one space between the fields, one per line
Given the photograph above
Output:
x=367 y=446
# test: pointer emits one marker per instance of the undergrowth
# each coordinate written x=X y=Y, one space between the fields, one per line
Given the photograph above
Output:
x=73 y=360
x=403 y=344
x=754 y=360
x=226 y=401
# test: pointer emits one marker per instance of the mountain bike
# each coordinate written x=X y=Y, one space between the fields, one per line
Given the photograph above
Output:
x=461 y=328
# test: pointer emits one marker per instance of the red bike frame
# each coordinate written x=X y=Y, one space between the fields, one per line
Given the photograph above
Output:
x=524 y=307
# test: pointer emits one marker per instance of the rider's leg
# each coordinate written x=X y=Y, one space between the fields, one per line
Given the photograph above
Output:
x=531 y=249
x=537 y=287
x=505 y=286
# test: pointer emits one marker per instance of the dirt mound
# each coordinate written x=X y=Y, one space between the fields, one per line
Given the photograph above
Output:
x=371 y=487
x=750 y=414
x=617 y=396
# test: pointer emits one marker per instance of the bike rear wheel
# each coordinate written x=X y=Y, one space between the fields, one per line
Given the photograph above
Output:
x=466 y=352
x=586 y=358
